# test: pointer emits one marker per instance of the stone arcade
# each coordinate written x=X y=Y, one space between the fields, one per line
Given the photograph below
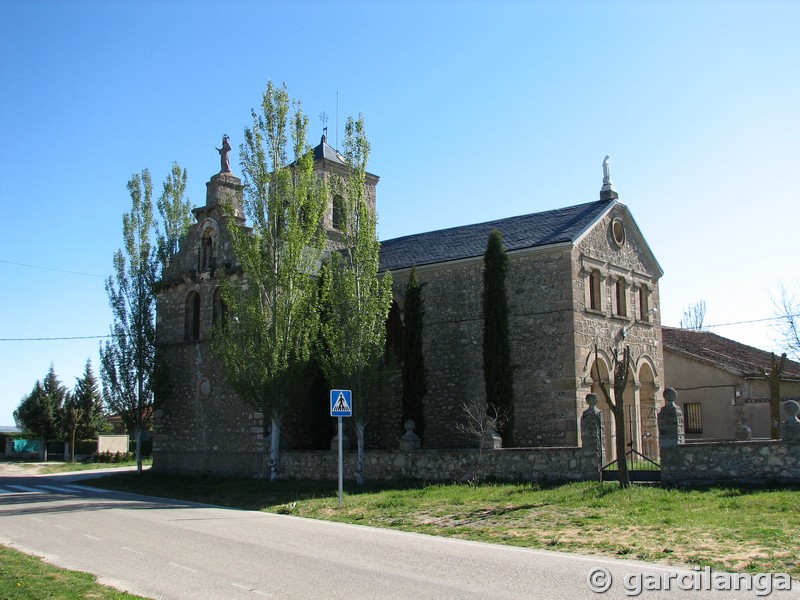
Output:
x=578 y=276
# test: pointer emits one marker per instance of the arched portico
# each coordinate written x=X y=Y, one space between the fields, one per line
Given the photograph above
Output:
x=639 y=400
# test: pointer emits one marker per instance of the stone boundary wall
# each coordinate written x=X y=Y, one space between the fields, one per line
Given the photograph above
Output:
x=514 y=464
x=731 y=462
x=556 y=464
x=752 y=461
x=222 y=464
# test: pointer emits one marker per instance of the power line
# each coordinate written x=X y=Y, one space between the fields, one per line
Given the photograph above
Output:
x=780 y=318
x=50 y=339
x=19 y=264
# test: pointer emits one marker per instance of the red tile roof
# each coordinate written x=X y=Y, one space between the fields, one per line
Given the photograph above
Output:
x=715 y=350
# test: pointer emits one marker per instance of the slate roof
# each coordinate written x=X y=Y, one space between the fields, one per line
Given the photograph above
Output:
x=715 y=350
x=468 y=241
x=323 y=150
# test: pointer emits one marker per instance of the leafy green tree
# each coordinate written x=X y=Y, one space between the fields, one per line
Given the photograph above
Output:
x=414 y=371
x=356 y=299
x=127 y=361
x=264 y=344
x=498 y=372
x=40 y=412
x=176 y=214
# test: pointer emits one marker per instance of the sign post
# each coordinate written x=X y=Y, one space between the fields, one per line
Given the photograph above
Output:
x=341 y=406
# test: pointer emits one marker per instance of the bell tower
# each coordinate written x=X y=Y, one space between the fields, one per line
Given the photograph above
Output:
x=329 y=162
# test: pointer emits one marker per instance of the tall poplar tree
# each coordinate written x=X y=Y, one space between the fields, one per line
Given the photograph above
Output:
x=176 y=214
x=498 y=373
x=127 y=361
x=414 y=372
x=264 y=344
x=357 y=300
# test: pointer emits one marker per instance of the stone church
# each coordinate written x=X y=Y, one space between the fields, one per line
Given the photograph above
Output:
x=579 y=278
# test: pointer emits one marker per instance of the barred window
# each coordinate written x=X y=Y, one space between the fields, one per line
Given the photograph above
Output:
x=693 y=415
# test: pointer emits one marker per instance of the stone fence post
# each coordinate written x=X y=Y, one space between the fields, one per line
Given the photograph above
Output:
x=592 y=429
x=670 y=421
x=790 y=428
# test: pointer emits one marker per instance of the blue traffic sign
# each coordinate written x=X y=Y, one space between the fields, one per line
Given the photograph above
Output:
x=341 y=403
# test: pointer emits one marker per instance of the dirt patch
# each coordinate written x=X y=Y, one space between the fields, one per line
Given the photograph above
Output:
x=15 y=468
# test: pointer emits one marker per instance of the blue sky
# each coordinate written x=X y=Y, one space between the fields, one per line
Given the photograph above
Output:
x=475 y=111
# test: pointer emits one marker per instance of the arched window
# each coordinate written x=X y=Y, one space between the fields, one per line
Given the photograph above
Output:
x=191 y=330
x=594 y=290
x=621 y=291
x=338 y=212
x=208 y=250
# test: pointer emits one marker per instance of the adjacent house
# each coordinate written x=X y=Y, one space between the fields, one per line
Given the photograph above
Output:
x=721 y=386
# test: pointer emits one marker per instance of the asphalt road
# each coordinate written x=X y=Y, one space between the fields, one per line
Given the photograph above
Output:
x=178 y=550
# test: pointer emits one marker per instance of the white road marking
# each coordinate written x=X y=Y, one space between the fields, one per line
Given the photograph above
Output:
x=91 y=537
x=54 y=488
x=24 y=488
x=63 y=528
x=86 y=488
x=132 y=550
x=183 y=567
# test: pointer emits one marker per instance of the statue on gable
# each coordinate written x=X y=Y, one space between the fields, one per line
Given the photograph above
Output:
x=224 y=155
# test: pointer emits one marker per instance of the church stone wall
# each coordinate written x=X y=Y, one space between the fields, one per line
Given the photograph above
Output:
x=203 y=426
x=540 y=331
x=452 y=346
x=200 y=425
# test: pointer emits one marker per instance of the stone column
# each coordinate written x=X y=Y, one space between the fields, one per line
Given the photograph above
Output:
x=592 y=429
x=670 y=421
x=790 y=427
x=410 y=440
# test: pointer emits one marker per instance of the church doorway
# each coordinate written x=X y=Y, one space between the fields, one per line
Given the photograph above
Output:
x=639 y=405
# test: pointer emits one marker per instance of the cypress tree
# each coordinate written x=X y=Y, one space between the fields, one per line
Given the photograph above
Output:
x=498 y=372
x=414 y=373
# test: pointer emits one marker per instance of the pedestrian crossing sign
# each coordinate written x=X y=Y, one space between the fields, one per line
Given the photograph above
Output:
x=341 y=403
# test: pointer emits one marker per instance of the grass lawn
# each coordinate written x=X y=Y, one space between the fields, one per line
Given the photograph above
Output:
x=48 y=468
x=734 y=529
x=24 y=577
